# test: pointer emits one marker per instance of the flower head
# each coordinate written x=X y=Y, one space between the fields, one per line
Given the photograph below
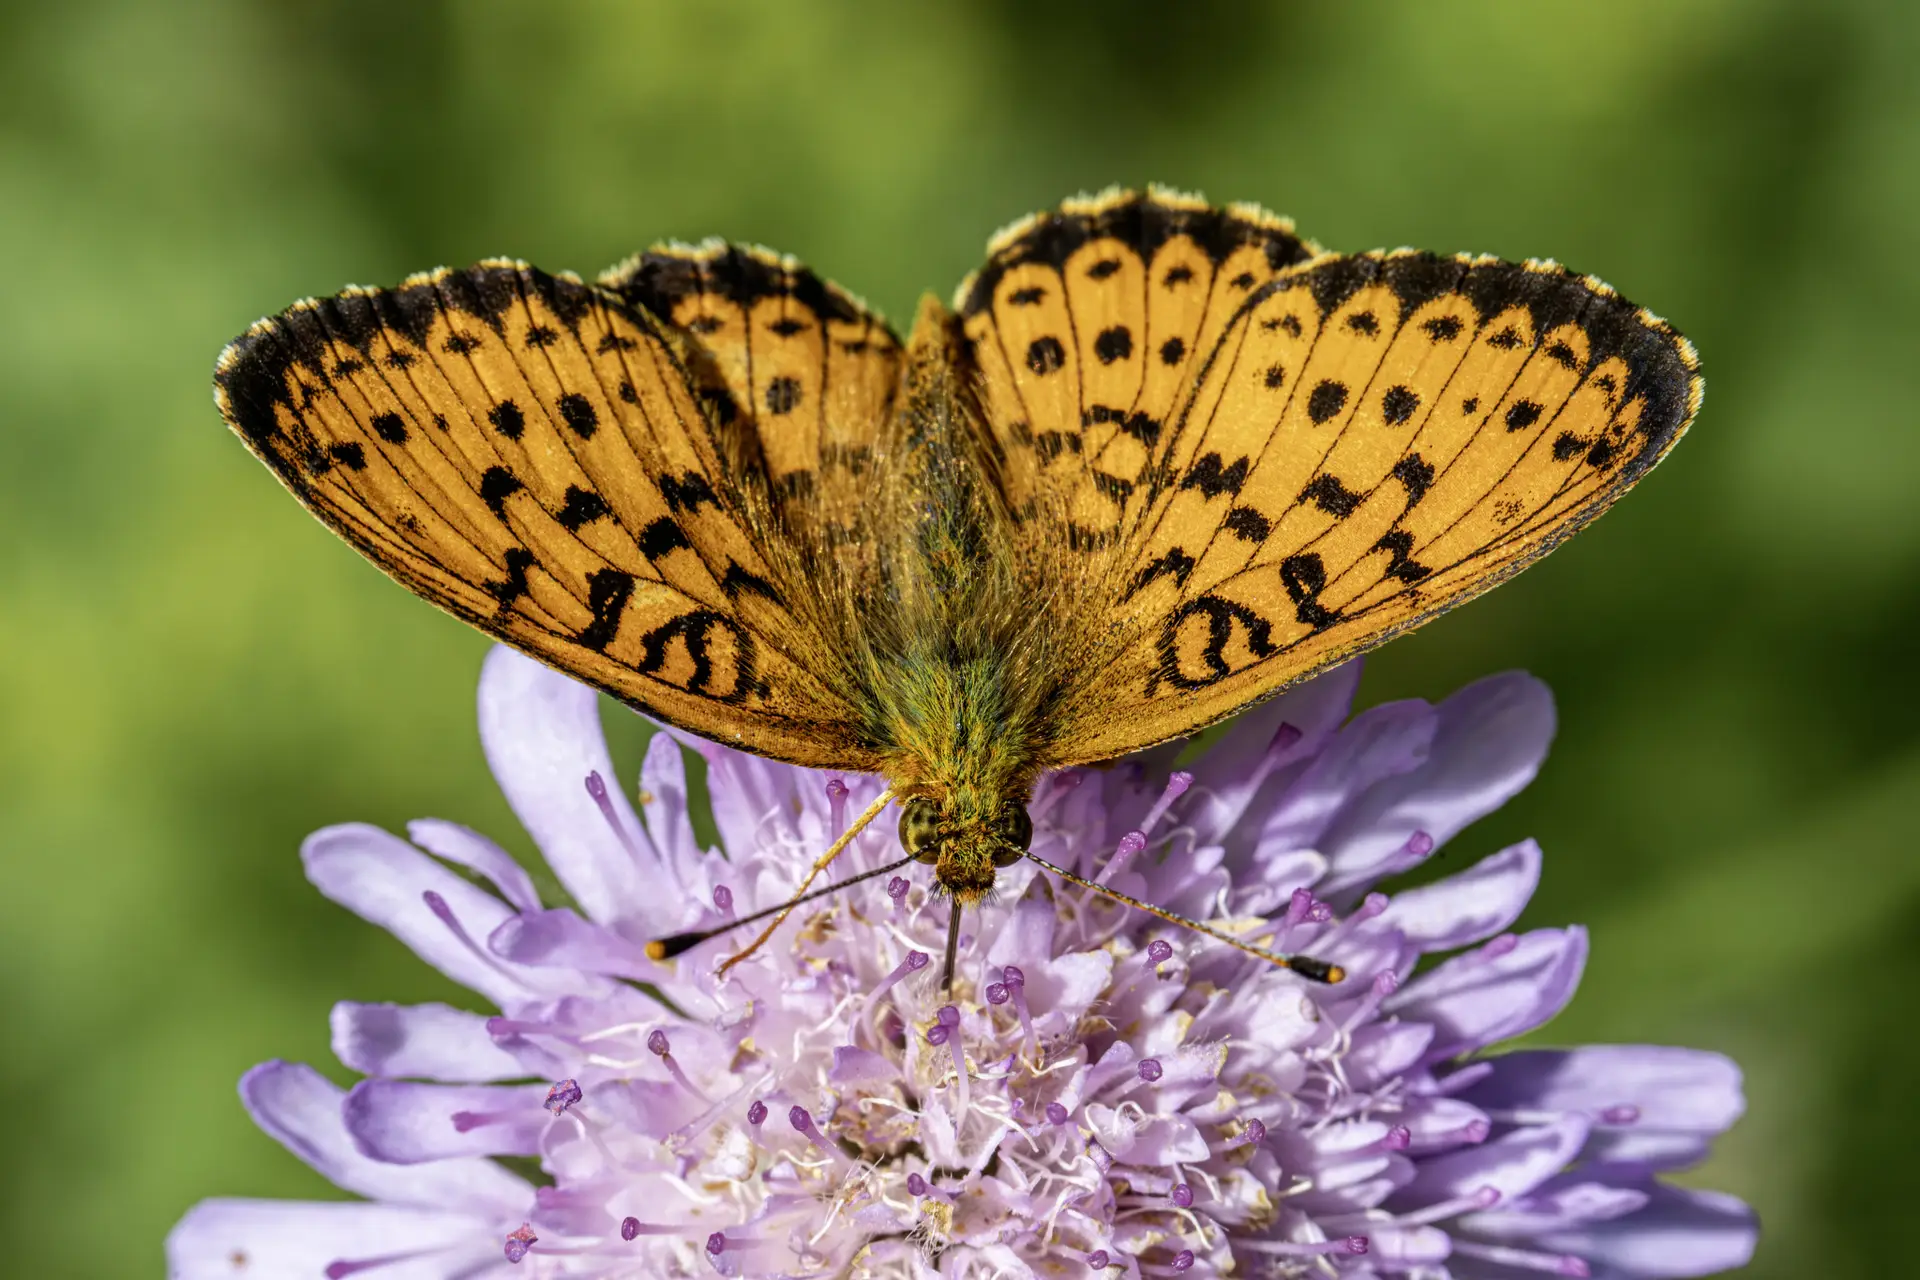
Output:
x=1100 y=1093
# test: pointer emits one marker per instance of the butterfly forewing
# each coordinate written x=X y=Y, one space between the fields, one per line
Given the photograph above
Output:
x=1373 y=440
x=529 y=453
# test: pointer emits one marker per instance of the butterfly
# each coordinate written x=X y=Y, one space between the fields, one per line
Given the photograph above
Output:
x=1157 y=461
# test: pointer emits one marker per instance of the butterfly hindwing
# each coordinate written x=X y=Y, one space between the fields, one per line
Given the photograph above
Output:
x=1086 y=325
x=1373 y=440
x=799 y=375
x=529 y=453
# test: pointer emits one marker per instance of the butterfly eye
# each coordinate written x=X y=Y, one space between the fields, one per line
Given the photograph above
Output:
x=1015 y=828
x=920 y=829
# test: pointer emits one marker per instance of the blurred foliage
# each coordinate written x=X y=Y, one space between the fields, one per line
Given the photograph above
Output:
x=193 y=674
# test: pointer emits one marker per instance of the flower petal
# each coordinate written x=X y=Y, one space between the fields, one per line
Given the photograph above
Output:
x=1681 y=1232
x=300 y=1109
x=468 y=848
x=1253 y=754
x=222 y=1239
x=382 y=879
x=1381 y=742
x=542 y=736
x=1479 y=998
x=1512 y=1164
x=1488 y=742
x=1655 y=1104
x=407 y=1122
x=432 y=1040
x=560 y=939
x=1471 y=906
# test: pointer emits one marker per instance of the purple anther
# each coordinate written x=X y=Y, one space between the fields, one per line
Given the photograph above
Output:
x=1297 y=907
x=1357 y=1244
x=1475 y=1131
x=1398 y=1138
x=657 y=1043
x=1626 y=1113
x=1149 y=1069
x=937 y=1034
x=1182 y=1195
x=756 y=1112
x=996 y=993
x=1097 y=1259
x=1419 y=845
x=948 y=1015
x=1159 y=951
x=1500 y=946
x=723 y=899
x=562 y=1096
x=897 y=889
x=1285 y=736
x=1320 y=912
x=912 y=962
x=717 y=1243
x=1013 y=976
x=836 y=804
x=1057 y=1114
x=597 y=788
x=1183 y=1260
x=629 y=1228
x=916 y=1185
x=797 y=1117
x=1371 y=906
x=1016 y=983
x=519 y=1241
x=1177 y=785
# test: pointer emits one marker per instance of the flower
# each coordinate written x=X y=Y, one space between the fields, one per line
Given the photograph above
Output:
x=1101 y=1094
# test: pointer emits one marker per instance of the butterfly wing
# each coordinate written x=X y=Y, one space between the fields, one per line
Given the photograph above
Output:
x=529 y=453
x=1087 y=326
x=799 y=376
x=1368 y=441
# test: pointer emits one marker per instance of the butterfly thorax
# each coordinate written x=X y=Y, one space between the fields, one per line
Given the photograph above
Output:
x=961 y=660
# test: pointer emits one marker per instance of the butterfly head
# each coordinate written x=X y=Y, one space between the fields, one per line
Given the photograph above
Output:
x=965 y=843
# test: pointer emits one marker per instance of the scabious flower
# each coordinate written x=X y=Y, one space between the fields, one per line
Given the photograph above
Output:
x=1101 y=1094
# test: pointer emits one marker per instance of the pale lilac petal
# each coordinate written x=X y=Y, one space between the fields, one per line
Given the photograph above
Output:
x=1682 y=1232
x=1471 y=906
x=1476 y=999
x=468 y=848
x=853 y=1066
x=384 y=880
x=1253 y=755
x=1381 y=742
x=1487 y=744
x=664 y=799
x=436 y=1041
x=1568 y=1202
x=285 y=1239
x=407 y=1122
x=542 y=735
x=1653 y=1104
x=1512 y=1164
x=302 y=1111
x=560 y=939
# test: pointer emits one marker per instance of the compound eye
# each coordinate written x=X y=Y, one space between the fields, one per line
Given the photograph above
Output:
x=920 y=829
x=1015 y=830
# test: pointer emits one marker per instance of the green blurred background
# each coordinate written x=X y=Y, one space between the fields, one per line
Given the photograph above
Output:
x=193 y=674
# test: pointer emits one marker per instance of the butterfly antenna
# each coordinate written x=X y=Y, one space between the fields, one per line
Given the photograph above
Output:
x=800 y=894
x=953 y=946
x=1305 y=966
x=679 y=943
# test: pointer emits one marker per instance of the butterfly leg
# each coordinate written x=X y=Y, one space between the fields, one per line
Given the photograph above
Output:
x=820 y=864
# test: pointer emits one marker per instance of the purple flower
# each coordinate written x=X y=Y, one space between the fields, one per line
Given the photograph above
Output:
x=1094 y=1096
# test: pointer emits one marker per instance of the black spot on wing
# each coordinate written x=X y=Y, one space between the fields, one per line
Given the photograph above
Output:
x=1327 y=399
x=1331 y=496
x=1212 y=477
x=607 y=593
x=578 y=413
x=1247 y=525
x=497 y=484
x=390 y=427
x=1046 y=355
x=783 y=394
x=663 y=536
x=582 y=507
x=1113 y=344
x=1173 y=351
x=1398 y=404
x=507 y=419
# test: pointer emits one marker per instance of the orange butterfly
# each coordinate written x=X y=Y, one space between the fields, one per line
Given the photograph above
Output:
x=1158 y=461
